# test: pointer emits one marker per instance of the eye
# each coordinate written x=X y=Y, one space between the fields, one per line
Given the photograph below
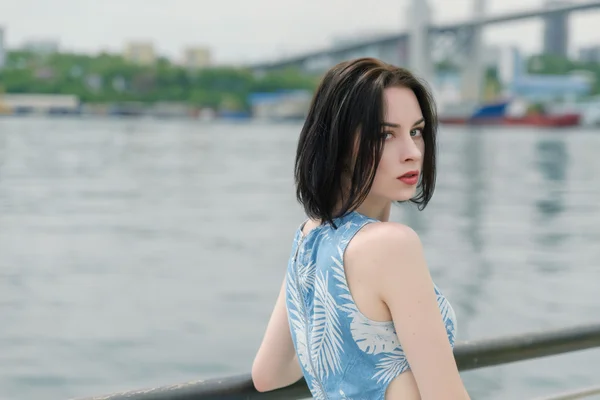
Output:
x=416 y=132
x=388 y=135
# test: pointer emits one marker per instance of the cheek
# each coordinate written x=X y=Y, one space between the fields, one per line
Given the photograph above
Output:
x=384 y=170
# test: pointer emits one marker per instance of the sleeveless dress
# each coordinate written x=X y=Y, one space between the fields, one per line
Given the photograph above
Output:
x=343 y=354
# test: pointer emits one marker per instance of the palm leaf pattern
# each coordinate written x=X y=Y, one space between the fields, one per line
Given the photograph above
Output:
x=339 y=275
x=390 y=366
x=373 y=339
x=326 y=340
x=448 y=315
x=318 y=392
x=306 y=275
x=297 y=323
x=370 y=338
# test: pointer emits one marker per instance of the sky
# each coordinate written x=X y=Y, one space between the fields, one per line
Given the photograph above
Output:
x=244 y=31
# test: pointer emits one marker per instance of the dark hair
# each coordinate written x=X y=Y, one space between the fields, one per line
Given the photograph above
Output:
x=347 y=110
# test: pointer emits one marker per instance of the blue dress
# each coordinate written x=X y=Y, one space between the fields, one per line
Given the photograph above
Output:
x=343 y=354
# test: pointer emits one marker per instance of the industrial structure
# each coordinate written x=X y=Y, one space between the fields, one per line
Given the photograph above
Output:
x=423 y=44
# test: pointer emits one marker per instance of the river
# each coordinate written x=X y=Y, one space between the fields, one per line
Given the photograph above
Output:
x=137 y=253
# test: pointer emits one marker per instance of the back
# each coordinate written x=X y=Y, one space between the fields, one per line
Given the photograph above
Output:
x=343 y=354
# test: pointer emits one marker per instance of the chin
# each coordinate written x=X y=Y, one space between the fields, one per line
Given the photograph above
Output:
x=404 y=195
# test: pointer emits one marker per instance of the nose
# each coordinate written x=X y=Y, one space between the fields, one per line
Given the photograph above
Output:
x=410 y=150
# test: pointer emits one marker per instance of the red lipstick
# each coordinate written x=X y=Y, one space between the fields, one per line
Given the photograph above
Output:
x=410 y=178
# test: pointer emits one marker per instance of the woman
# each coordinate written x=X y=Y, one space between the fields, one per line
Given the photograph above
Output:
x=358 y=314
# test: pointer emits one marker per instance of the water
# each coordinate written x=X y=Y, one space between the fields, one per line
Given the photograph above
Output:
x=140 y=253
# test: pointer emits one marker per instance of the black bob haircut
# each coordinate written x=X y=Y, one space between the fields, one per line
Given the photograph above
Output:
x=341 y=142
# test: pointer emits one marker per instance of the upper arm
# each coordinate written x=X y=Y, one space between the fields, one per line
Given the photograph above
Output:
x=406 y=287
x=275 y=364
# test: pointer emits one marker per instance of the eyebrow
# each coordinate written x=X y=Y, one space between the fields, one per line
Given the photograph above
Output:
x=398 y=125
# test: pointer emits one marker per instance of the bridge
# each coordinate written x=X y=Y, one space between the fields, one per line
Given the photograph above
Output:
x=423 y=43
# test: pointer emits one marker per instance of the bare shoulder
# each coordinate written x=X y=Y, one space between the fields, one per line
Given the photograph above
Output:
x=384 y=245
x=392 y=255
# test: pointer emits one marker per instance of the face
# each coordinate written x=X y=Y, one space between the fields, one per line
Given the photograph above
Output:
x=401 y=162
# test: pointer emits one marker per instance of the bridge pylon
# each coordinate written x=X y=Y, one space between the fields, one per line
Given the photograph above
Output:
x=419 y=43
x=473 y=66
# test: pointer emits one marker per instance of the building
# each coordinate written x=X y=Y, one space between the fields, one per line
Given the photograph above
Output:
x=2 y=49
x=546 y=88
x=31 y=103
x=196 y=57
x=281 y=105
x=142 y=53
x=556 y=30
x=551 y=88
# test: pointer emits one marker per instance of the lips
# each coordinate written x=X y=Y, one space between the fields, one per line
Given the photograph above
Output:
x=409 y=174
x=410 y=178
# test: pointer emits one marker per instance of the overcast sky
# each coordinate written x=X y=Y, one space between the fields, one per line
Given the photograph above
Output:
x=240 y=31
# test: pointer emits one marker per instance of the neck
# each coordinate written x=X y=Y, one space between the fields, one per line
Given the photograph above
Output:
x=379 y=210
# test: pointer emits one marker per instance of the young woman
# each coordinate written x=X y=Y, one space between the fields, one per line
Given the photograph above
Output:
x=358 y=314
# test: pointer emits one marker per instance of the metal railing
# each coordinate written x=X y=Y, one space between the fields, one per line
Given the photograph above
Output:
x=469 y=355
x=575 y=394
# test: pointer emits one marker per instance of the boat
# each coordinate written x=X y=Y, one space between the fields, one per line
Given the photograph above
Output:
x=508 y=113
x=521 y=112
x=562 y=120
x=467 y=113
